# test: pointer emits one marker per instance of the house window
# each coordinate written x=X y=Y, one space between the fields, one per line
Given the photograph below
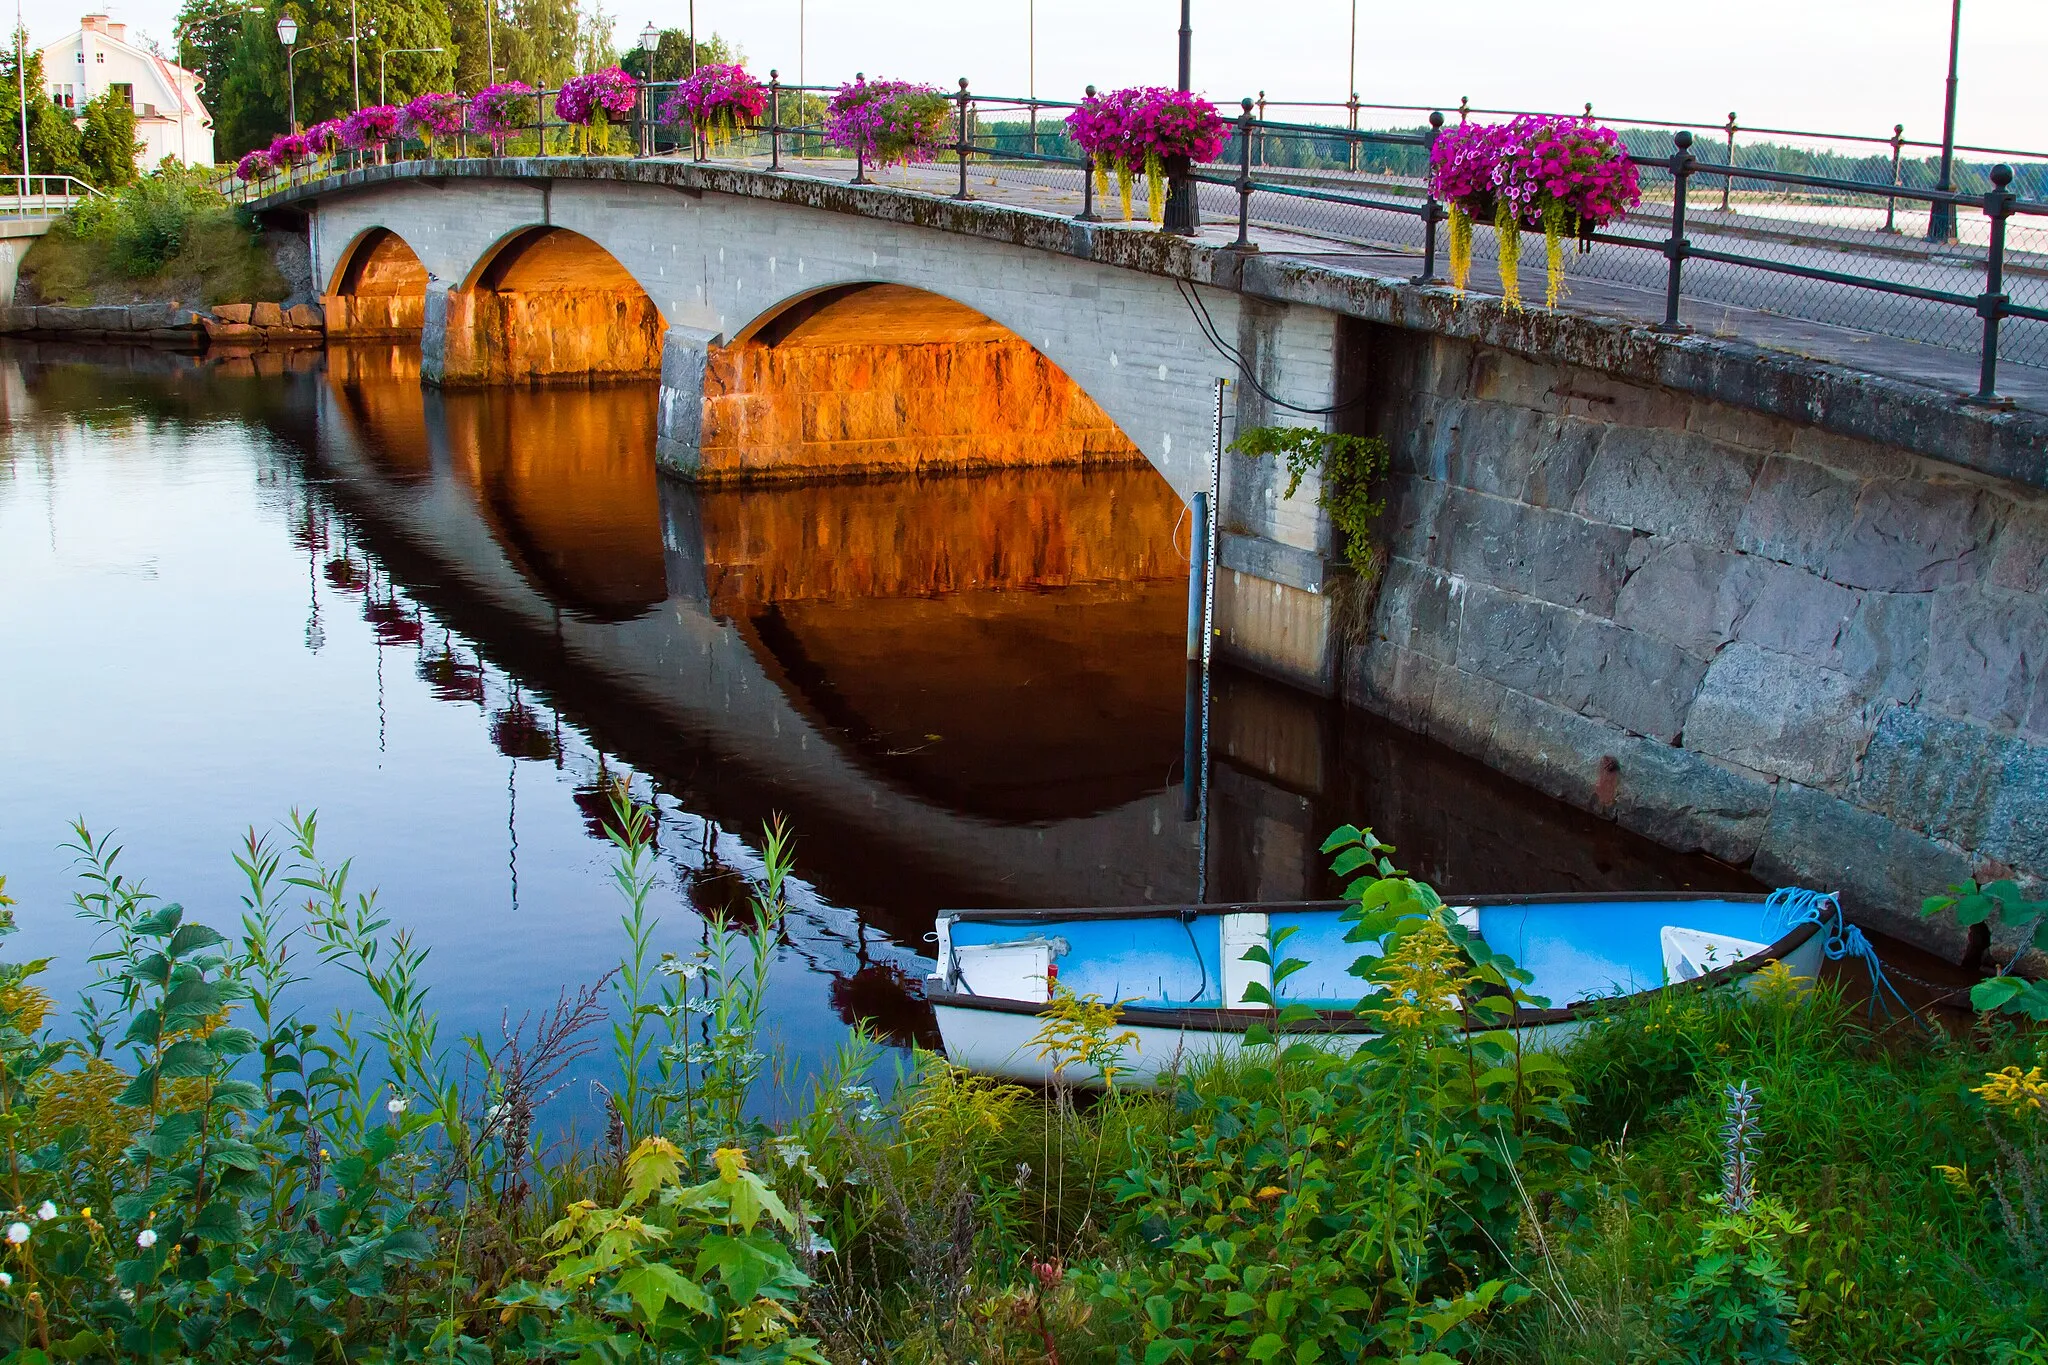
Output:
x=100 y=57
x=64 y=96
x=81 y=56
x=122 y=92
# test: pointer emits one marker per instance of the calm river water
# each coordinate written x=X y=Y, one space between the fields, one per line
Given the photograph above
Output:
x=445 y=621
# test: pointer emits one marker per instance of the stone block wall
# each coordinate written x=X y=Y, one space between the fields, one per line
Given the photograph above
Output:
x=1812 y=656
x=796 y=412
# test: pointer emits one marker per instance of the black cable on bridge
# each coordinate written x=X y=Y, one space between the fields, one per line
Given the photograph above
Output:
x=1207 y=324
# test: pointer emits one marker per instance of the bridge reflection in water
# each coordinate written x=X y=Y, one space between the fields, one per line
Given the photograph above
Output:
x=964 y=690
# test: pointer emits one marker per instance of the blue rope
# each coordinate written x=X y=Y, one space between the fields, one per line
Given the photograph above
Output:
x=1795 y=905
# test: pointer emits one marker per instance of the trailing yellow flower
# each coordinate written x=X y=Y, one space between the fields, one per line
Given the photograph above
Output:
x=1461 y=248
x=1155 y=189
x=1957 y=1178
x=1510 y=233
x=1553 y=254
x=2015 y=1091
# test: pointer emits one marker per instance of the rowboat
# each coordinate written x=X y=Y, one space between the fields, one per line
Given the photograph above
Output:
x=1179 y=973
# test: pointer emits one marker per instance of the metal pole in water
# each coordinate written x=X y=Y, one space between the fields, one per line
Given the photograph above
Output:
x=1209 y=636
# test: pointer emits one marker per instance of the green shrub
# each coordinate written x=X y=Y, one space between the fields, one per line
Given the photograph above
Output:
x=167 y=235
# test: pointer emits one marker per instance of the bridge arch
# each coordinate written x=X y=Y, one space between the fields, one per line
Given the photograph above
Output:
x=378 y=288
x=874 y=377
x=541 y=305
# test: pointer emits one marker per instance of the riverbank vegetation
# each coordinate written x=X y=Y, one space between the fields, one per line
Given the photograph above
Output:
x=197 y=1167
x=168 y=236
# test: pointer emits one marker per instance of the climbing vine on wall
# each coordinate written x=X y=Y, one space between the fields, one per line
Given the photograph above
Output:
x=1351 y=467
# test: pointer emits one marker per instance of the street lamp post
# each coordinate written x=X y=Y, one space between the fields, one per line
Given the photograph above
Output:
x=288 y=34
x=387 y=54
x=693 y=37
x=355 y=54
x=650 y=43
x=21 y=84
x=1941 y=218
x=1031 y=66
x=1181 y=215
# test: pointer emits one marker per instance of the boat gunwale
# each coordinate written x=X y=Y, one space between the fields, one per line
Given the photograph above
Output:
x=1217 y=1019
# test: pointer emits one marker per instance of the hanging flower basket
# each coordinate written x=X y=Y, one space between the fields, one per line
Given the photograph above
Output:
x=288 y=150
x=431 y=117
x=887 y=122
x=328 y=138
x=1554 y=174
x=370 y=127
x=1137 y=130
x=254 y=165
x=499 y=111
x=717 y=102
x=595 y=99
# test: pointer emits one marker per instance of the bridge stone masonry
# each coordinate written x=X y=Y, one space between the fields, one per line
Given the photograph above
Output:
x=1735 y=599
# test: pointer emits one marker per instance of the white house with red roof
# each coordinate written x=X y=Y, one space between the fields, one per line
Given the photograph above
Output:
x=169 y=119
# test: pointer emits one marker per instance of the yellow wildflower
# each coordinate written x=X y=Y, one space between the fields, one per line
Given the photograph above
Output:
x=1957 y=1177
x=2015 y=1091
x=1423 y=973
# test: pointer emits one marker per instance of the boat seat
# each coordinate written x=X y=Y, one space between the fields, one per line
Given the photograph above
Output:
x=1689 y=953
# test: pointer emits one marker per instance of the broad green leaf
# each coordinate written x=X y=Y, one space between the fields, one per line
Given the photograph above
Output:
x=1995 y=992
x=744 y=1263
x=1237 y=1303
x=190 y=938
x=1268 y=1345
x=1340 y=837
x=186 y=1057
x=653 y=1287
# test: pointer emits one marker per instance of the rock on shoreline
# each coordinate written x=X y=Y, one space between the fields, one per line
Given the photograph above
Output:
x=259 y=324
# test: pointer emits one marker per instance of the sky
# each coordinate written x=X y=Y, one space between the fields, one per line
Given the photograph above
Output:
x=1845 y=66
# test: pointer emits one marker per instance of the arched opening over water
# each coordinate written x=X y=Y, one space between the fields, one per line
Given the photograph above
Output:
x=548 y=306
x=873 y=378
x=378 y=290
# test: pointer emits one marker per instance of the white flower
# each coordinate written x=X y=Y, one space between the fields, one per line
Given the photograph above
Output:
x=394 y=1107
x=46 y=1212
x=146 y=1238
x=127 y=1296
x=17 y=1233
x=6 y=1280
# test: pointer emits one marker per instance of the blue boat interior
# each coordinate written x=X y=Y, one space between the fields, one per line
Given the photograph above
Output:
x=1577 y=950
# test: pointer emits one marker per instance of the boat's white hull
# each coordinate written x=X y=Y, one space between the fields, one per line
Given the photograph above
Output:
x=1003 y=1042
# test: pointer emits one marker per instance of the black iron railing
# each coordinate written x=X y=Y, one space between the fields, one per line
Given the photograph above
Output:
x=1957 y=281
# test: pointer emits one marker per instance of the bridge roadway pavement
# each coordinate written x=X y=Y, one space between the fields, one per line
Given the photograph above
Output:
x=1896 y=337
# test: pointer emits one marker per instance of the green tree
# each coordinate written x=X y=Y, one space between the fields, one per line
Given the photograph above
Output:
x=107 y=145
x=672 y=55
x=251 y=98
x=52 y=136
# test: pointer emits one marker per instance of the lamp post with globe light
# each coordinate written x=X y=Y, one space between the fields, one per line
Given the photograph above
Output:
x=288 y=34
x=650 y=43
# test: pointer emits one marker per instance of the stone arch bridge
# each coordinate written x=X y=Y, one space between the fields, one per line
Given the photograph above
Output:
x=1737 y=599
